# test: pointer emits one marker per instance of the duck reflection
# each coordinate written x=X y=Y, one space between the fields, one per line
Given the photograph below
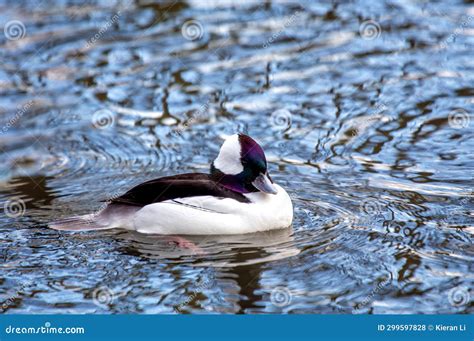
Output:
x=241 y=258
x=214 y=250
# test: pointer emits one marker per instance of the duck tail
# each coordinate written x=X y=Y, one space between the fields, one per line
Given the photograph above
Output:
x=86 y=222
x=113 y=216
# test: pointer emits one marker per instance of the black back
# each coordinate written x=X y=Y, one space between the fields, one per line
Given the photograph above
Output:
x=177 y=186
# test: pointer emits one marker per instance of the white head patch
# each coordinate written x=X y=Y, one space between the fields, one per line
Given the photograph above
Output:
x=228 y=160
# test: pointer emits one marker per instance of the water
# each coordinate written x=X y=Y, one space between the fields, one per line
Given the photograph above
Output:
x=365 y=111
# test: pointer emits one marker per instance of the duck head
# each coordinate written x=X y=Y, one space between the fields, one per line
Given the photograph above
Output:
x=241 y=166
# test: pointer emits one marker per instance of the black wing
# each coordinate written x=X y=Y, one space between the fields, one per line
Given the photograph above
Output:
x=177 y=186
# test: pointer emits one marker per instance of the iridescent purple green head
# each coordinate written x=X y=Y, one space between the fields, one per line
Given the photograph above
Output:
x=242 y=167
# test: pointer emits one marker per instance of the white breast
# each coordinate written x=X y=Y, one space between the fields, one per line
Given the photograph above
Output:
x=211 y=215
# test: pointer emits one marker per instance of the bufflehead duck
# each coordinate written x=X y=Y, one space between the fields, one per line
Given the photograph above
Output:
x=238 y=196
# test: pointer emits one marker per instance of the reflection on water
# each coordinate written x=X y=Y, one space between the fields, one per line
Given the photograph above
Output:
x=216 y=251
x=365 y=113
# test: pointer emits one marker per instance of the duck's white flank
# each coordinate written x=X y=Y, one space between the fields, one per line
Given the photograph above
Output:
x=210 y=215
